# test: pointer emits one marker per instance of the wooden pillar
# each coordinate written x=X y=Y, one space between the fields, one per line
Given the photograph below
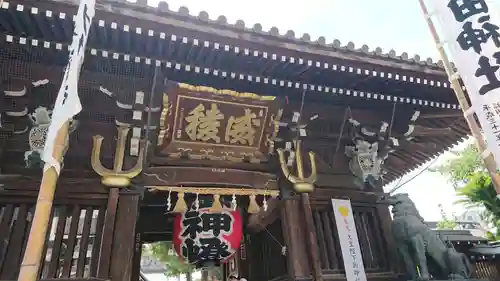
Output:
x=124 y=237
x=295 y=240
x=136 y=262
x=393 y=258
x=497 y=268
x=312 y=244
x=243 y=264
x=107 y=234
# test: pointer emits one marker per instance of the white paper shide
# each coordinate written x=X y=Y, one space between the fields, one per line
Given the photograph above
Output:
x=349 y=243
x=471 y=29
x=68 y=103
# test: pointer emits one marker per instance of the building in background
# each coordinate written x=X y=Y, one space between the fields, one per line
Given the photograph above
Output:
x=469 y=220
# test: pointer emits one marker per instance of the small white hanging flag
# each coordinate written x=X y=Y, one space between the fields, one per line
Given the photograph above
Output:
x=68 y=103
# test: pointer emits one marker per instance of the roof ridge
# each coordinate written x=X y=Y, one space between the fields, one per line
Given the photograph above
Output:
x=274 y=32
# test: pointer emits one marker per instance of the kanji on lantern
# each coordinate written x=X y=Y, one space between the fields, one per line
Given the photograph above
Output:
x=213 y=248
x=216 y=222
x=190 y=250
x=202 y=236
x=191 y=224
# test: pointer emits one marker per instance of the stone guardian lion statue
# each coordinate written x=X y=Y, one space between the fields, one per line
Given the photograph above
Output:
x=425 y=255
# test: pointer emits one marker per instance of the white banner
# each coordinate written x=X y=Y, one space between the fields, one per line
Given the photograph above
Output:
x=68 y=103
x=472 y=30
x=349 y=243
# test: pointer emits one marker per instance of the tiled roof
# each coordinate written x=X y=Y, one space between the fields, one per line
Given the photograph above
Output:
x=290 y=36
x=125 y=33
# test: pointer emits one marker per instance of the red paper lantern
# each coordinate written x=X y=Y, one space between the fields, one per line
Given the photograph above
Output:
x=202 y=237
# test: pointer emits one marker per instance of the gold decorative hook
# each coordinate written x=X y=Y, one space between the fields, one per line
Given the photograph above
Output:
x=300 y=184
x=115 y=177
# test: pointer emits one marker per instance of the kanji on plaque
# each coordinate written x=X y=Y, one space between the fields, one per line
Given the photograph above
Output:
x=242 y=129
x=472 y=30
x=217 y=122
x=201 y=237
x=203 y=124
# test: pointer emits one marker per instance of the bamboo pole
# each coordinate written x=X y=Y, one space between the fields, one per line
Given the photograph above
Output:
x=488 y=158
x=41 y=220
x=33 y=254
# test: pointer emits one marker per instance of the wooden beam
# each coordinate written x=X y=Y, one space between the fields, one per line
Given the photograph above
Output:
x=155 y=237
x=422 y=131
x=163 y=161
x=451 y=114
x=183 y=176
x=66 y=185
x=321 y=196
x=334 y=180
x=154 y=220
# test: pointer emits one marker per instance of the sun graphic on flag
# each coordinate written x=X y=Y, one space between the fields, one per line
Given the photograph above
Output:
x=343 y=211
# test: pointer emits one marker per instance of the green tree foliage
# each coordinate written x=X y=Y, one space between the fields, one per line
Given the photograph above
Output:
x=460 y=168
x=473 y=184
x=163 y=251
x=480 y=192
x=445 y=222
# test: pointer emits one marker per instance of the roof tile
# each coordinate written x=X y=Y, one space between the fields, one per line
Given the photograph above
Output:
x=289 y=35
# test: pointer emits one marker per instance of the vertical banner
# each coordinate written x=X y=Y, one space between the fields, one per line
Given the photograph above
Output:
x=349 y=243
x=68 y=103
x=472 y=30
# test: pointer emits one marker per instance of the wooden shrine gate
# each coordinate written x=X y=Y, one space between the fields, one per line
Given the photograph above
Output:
x=91 y=229
x=358 y=101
